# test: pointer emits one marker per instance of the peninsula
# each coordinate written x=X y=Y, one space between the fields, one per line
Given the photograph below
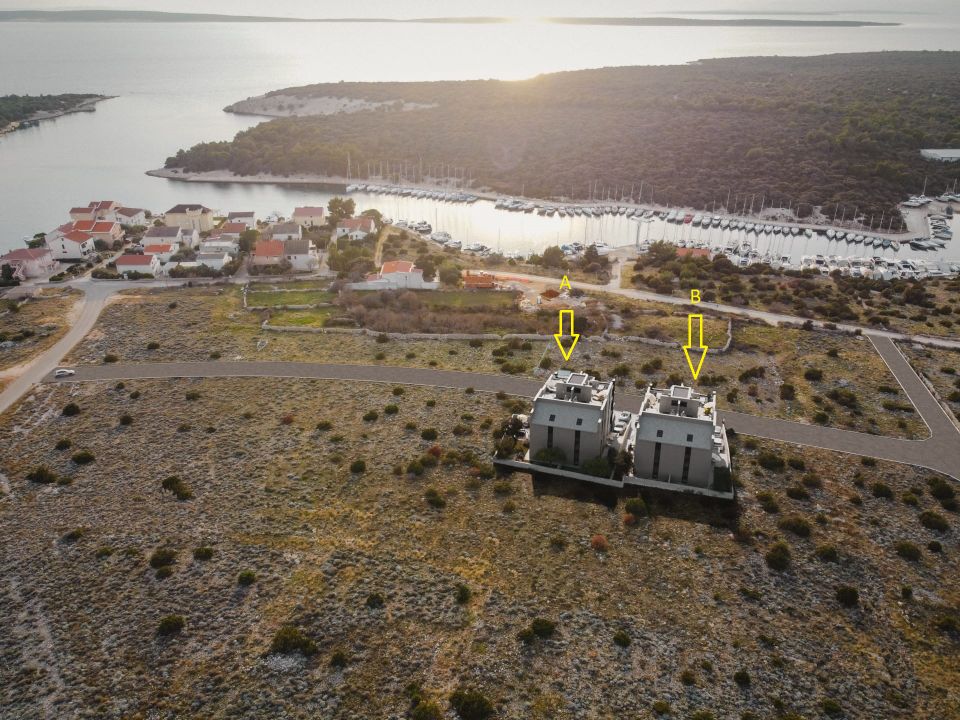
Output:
x=18 y=111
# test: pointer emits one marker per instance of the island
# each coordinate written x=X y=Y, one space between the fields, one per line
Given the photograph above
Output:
x=17 y=111
x=812 y=134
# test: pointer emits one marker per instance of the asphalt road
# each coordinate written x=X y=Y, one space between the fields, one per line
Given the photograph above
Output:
x=941 y=451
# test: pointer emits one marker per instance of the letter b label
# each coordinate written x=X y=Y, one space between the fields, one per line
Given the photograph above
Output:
x=694 y=296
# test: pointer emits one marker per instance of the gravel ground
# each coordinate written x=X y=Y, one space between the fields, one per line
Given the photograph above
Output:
x=79 y=611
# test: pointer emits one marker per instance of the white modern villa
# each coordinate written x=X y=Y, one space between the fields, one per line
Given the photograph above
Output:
x=677 y=441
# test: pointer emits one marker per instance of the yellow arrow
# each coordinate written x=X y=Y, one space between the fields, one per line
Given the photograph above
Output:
x=700 y=346
x=565 y=352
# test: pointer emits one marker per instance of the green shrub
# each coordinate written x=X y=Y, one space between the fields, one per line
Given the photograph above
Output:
x=768 y=502
x=192 y=395
x=170 y=625
x=462 y=594
x=778 y=556
x=42 y=475
x=661 y=707
x=550 y=456
x=947 y=623
x=63 y=444
x=338 y=659
x=375 y=600
x=370 y=415
x=110 y=358
x=103 y=552
x=177 y=487
x=770 y=461
x=741 y=678
x=246 y=578
x=126 y=419
x=813 y=374
x=881 y=490
x=391 y=409
x=907 y=550
x=70 y=409
x=635 y=506
x=787 y=392
x=831 y=707
x=434 y=498
x=358 y=466
x=828 y=553
x=324 y=425
x=162 y=557
x=622 y=638
x=202 y=553
x=153 y=345
x=934 y=521
x=398 y=391
x=598 y=467
x=74 y=535
x=290 y=639
x=415 y=467
x=688 y=677
x=429 y=434
x=848 y=596
x=795 y=524
x=83 y=457
x=797 y=492
x=468 y=703
x=502 y=488
x=796 y=463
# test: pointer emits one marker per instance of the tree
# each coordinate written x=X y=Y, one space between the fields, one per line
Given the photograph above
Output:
x=340 y=209
x=553 y=257
x=248 y=238
x=449 y=275
x=37 y=241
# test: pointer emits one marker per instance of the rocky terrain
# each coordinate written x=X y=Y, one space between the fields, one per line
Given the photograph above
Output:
x=306 y=562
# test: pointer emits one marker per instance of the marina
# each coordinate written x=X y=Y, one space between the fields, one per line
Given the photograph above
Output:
x=517 y=228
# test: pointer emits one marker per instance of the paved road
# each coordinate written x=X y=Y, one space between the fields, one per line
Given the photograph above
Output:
x=939 y=452
x=95 y=297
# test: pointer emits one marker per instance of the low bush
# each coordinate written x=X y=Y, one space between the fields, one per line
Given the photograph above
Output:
x=778 y=556
x=42 y=475
x=797 y=492
x=126 y=419
x=462 y=594
x=63 y=444
x=934 y=521
x=175 y=485
x=370 y=415
x=375 y=600
x=391 y=409
x=83 y=457
x=358 y=466
x=468 y=703
x=741 y=678
x=202 y=553
x=622 y=638
x=796 y=525
x=153 y=345
x=162 y=557
x=429 y=434
x=813 y=374
x=635 y=506
x=827 y=553
x=192 y=395
x=324 y=425
x=848 y=596
x=170 y=625
x=771 y=461
x=907 y=550
x=70 y=409
x=246 y=578
x=290 y=639
x=599 y=543
x=881 y=490
x=768 y=502
x=434 y=498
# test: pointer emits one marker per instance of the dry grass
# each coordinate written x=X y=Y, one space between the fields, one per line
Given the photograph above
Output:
x=45 y=315
x=278 y=498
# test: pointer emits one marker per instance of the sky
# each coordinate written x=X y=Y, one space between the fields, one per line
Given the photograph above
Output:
x=524 y=8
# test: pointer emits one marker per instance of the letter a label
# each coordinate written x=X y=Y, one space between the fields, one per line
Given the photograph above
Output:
x=565 y=283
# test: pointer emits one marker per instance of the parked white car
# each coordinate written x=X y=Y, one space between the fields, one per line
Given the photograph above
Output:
x=63 y=372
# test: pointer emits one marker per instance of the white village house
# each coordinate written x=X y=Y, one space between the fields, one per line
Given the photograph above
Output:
x=286 y=231
x=309 y=216
x=72 y=245
x=138 y=263
x=246 y=217
x=301 y=255
x=355 y=228
x=396 y=275
x=29 y=262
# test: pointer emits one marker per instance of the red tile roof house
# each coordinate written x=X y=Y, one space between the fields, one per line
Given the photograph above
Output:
x=693 y=252
x=70 y=245
x=29 y=263
x=138 y=263
x=163 y=253
x=105 y=230
x=268 y=252
x=356 y=228
x=232 y=230
x=396 y=275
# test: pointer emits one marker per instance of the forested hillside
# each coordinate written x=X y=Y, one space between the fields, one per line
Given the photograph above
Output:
x=14 y=108
x=819 y=131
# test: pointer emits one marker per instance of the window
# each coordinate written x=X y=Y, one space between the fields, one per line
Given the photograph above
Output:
x=579 y=421
x=550 y=437
x=659 y=433
x=552 y=418
x=576 y=447
x=656 y=462
x=686 y=465
x=689 y=438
